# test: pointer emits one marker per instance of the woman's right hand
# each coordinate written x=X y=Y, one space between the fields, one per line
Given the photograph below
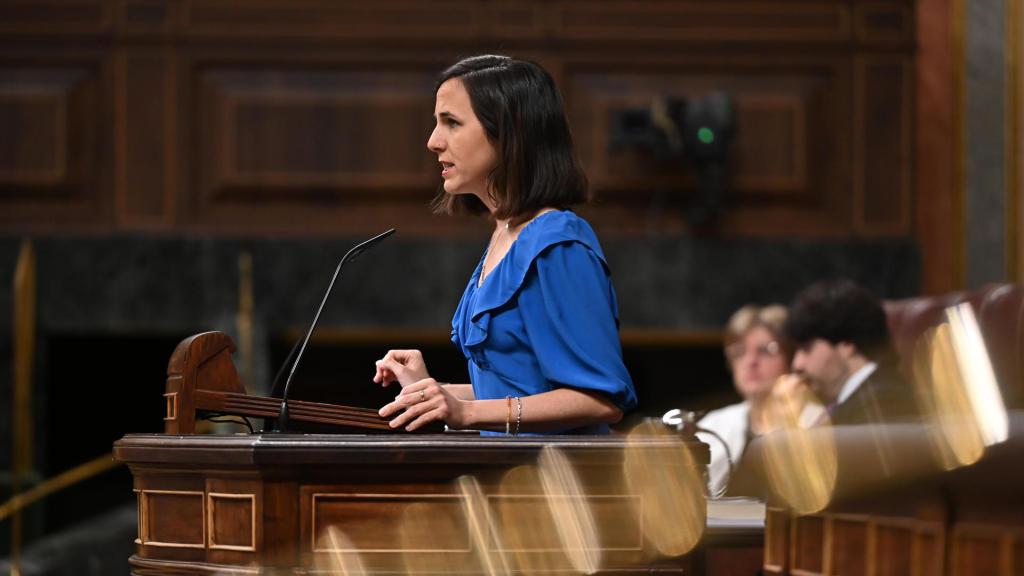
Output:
x=425 y=401
x=402 y=366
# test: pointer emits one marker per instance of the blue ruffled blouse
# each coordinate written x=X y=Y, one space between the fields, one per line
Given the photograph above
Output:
x=546 y=317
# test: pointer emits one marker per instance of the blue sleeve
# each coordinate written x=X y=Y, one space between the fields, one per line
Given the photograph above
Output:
x=569 y=312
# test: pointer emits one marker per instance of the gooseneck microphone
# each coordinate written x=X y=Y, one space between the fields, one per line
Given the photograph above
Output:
x=282 y=418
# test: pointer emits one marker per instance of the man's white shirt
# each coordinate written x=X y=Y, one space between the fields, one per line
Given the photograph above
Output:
x=854 y=381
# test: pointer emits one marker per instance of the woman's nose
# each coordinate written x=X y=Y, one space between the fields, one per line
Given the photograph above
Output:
x=435 y=142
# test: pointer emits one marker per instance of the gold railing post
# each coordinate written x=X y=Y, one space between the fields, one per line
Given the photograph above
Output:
x=21 y=407
x=22 y=422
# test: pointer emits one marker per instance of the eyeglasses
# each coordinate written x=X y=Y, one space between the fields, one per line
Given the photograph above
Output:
x=767 y=350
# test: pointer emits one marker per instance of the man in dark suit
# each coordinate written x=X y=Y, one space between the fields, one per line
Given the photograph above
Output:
x=844 y=353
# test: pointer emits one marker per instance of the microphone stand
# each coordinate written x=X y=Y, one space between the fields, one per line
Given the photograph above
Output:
x=282 y=418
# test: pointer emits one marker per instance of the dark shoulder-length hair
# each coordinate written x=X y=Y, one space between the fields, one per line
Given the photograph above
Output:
x=522 y=114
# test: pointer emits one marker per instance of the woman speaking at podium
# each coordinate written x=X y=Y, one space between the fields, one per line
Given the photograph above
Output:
x=538 y=322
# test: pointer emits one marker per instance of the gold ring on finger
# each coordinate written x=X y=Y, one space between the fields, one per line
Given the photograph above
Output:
x=423 y=395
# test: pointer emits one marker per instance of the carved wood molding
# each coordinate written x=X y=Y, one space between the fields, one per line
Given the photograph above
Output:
x=311 y=117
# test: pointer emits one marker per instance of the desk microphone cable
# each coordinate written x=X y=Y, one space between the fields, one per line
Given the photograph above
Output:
x=229 y=418
x=686 y=421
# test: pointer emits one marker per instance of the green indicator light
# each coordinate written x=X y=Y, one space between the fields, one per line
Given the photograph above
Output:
x=706 y=135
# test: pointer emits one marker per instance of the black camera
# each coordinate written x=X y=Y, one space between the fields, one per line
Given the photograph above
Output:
x=697 y=130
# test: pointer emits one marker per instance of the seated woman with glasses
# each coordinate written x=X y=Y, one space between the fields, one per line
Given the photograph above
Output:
x=758 y=355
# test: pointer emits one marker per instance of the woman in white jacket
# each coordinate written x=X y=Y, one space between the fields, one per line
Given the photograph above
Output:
x=758 y=355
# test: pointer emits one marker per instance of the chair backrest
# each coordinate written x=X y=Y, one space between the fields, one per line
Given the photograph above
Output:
x=1000 y=312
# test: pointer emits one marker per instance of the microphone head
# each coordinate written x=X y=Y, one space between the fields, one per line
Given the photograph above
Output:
x=360 y=248
x=381 y=236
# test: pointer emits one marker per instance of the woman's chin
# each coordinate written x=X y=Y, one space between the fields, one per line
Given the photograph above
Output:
x=755 y=392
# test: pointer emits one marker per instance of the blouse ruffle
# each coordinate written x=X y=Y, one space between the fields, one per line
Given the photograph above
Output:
x=567 y=306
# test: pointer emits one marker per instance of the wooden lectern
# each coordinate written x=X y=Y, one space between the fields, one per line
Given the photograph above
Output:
x=275 y=503
x=201 y=377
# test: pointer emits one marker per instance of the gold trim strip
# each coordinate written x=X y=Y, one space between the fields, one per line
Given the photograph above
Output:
x=547 y=498
x=172 y=406
x=144 y=529
x=210 y=516
x=57 y=483
x=363 y=496
x=138 y=516
x=157 y=544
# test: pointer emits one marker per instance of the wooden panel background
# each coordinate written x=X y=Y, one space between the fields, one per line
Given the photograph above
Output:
x=52 y=154
x=791 y=123
x=311 y=116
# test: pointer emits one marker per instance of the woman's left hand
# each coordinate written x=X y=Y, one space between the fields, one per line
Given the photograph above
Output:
x=425 y=401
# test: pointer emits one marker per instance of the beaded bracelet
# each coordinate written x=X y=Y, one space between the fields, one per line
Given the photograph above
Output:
x=508 y=415
x=519 y=415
